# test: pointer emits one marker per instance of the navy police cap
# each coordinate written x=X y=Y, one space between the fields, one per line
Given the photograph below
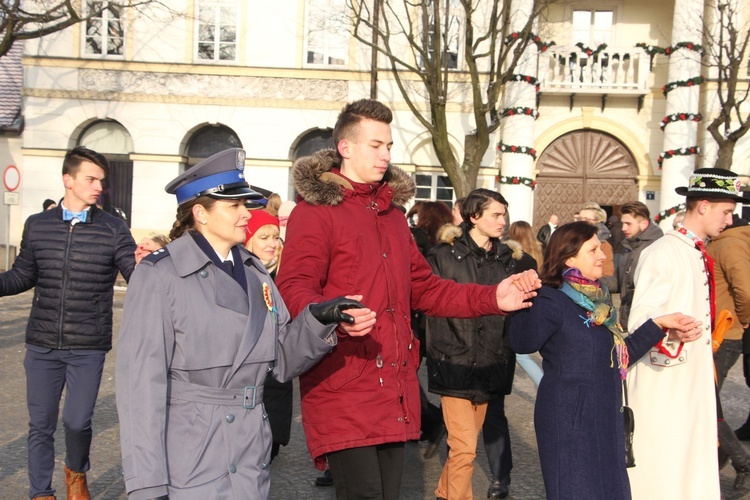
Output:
x=218 y=176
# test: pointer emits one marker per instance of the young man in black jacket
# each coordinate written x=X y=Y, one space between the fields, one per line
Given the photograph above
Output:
x=468 y=362
x=71 y=254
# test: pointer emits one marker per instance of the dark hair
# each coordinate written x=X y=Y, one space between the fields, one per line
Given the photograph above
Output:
x=414 y=210
x=459 y=202
x=477 y=202
x=355 y=112
x=47 y=203
x=185 y=220
x=564 y=243
x=636 y=209
x=78 y=155
x=432 y=216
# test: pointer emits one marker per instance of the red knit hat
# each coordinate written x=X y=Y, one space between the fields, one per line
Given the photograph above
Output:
x=258 y=219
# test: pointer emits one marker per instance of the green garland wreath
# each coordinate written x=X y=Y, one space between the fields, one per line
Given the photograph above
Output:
x=516 y=181
x=508 y=148
x=522 y=111
x=531 y=80
x=697 y=80
x=540 y=45
x=685 y=45
x=669 y=211
x=666 y=155
x=589 y=51
x=680 y=117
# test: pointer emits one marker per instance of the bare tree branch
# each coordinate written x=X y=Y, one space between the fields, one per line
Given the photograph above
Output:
x=18 y=24
x=727 y=57
x=436 y=48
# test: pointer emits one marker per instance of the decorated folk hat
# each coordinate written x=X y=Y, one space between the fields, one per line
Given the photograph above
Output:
x=218 y=176
x=713 y=183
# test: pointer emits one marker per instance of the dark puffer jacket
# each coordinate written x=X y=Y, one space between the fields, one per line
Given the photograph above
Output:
x=73 y=269
x=469 y=358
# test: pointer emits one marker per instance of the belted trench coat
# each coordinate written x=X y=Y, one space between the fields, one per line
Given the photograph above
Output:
x=193 y=353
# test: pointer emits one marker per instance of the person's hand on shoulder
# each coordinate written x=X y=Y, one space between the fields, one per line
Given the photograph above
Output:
x=513 y=292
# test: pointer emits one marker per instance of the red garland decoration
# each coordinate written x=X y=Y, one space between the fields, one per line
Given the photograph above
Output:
x=526 y=79
x=669 y=211
x=681 y=83
x=680 y=117
x=515 y=180
x=540 y=45
x=692 y=150
x=506 y=148
x=685 y=45
x=519 y=110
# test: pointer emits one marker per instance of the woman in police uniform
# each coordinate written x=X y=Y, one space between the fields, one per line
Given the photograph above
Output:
x=202 y=325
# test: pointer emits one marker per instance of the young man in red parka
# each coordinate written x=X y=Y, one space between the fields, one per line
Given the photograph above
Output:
x=346 y=237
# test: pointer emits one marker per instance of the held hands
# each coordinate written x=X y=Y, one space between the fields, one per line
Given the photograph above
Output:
x=356 y=322
x=332 y=311
x=514 y=290
x=682 y=328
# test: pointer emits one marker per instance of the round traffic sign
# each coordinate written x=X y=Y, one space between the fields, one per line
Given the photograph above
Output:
x=11 y=178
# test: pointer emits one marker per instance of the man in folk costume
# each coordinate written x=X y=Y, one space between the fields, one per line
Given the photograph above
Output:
x=672 y=389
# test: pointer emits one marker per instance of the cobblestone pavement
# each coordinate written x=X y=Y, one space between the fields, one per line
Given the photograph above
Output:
x=292 y=472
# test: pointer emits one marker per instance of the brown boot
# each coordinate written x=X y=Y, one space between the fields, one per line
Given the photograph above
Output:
x=76 y=483
x=48 y=497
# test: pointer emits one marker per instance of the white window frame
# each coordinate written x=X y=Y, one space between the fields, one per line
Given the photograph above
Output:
x=334 y=16
x=216 y=6
x=433 y=186
x=457 y=18
x=593 y=8
x=106 y=18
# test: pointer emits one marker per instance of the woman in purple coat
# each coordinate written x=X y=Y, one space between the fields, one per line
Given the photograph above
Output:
x=579 y=426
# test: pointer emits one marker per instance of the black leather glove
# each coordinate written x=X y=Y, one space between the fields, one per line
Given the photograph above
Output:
x=332 y=312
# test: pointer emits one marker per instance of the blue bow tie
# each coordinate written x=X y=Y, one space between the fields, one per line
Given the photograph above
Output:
x=81 y=216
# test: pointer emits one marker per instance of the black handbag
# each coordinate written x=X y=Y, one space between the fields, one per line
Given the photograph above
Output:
x=629 y=421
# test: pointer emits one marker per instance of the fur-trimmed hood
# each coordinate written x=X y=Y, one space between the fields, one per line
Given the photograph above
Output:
x=448 y=233
x=317 y=184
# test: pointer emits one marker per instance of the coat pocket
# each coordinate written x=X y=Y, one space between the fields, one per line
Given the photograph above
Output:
x=580 y=409
x=349 y=359
x=449 y=366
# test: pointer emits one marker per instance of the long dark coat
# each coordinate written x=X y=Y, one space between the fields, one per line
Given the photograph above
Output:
x=579 y=426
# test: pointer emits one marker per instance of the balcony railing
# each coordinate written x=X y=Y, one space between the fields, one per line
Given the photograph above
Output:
x=612 y=71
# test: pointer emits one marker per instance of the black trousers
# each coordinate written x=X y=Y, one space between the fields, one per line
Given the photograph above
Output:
x=724 y=358
x=496 y=436
x=369 y=472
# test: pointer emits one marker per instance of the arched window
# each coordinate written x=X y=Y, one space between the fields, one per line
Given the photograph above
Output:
x=211 y=139
x=107 y=137
x=111 y=139
x=313 y=141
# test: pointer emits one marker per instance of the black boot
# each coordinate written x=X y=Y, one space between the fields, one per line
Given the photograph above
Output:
x=499 y=488
x=743 y=433
x=324 y=479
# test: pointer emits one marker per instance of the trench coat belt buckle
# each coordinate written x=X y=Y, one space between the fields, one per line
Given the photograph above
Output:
x=247 y=397
x=249 y=389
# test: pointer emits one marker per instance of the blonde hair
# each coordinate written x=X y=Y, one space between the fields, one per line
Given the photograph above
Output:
x=521 y=232
x=265 y=231
x=598 y=211
x=273 y=204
